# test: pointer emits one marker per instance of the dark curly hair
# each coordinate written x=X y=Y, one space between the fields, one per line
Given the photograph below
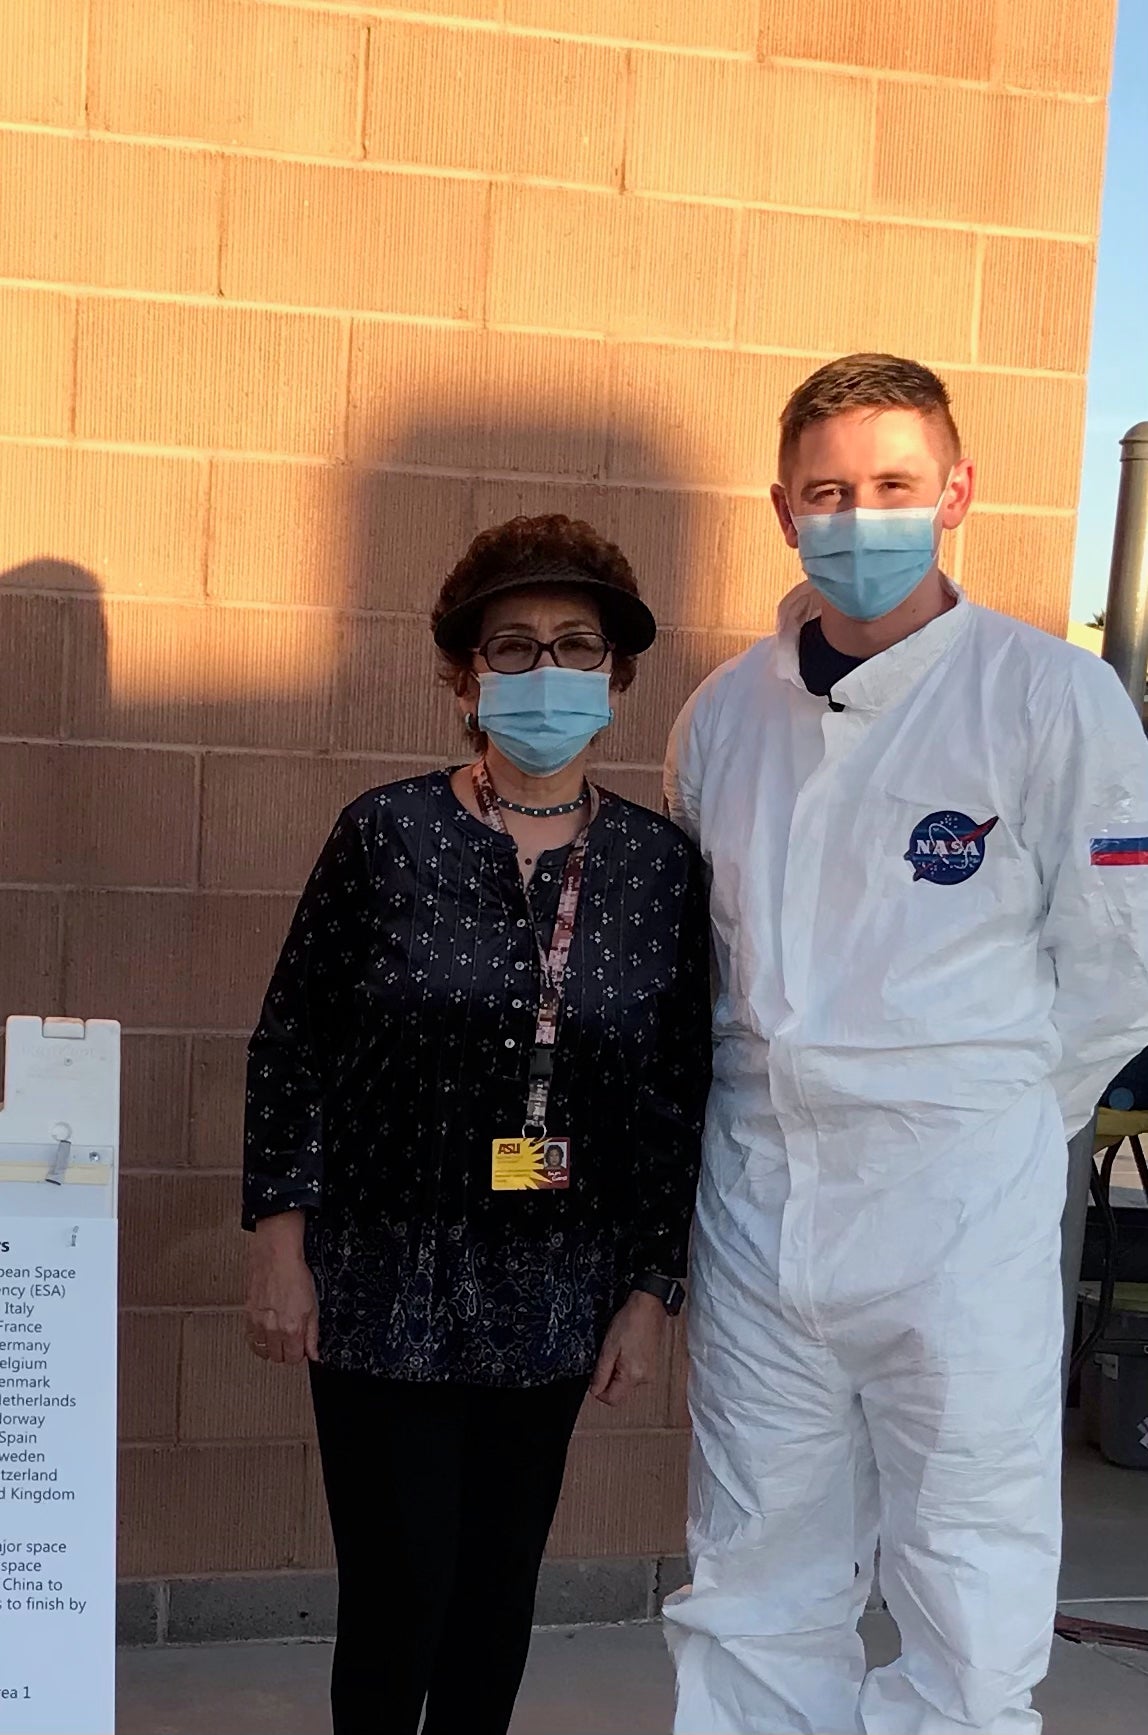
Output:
x=547 y=545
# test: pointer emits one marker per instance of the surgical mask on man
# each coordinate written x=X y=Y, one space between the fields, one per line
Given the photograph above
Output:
x=866 y=561
x=543 y=719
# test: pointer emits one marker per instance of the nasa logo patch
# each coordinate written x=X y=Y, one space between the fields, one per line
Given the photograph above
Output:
x=947 y=848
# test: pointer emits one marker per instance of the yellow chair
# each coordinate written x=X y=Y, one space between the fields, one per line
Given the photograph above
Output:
x=1114 y=1126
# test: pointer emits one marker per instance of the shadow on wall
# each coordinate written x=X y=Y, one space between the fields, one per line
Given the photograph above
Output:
x=298 y=692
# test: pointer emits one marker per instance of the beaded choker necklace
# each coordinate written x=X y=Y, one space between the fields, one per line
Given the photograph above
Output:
x=543 y=812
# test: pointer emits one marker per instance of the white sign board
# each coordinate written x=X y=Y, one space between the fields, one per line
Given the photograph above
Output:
x=59 y=1132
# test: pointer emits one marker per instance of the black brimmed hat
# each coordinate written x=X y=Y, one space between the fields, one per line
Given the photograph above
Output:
x=526 y=555
x=626 y=621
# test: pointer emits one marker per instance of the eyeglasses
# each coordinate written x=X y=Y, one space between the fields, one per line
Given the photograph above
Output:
x=518 y=653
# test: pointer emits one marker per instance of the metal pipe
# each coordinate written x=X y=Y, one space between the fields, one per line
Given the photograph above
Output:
x=1126 y=617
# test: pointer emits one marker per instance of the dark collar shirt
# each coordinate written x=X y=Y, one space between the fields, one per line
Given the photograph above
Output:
x=821 y=666
x=394 y=1048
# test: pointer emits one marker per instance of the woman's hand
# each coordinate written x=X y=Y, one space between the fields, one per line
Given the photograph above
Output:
x=630 y=1354
x=282 y=1313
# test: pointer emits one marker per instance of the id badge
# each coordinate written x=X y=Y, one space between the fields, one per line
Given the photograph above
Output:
x=530 y=1165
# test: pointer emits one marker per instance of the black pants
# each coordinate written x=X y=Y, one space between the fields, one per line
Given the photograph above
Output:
x=441 y=1499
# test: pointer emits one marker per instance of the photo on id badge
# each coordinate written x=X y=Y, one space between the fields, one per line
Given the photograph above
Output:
x=530 y=1165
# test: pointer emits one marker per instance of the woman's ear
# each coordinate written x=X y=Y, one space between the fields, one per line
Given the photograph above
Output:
x=622 y=671
x=466 y=698
x=466 y=691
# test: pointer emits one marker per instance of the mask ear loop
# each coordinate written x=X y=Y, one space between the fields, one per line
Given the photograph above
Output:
x=937 y=510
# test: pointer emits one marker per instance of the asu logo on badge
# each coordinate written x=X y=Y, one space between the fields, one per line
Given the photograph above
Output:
x=947 y=848
x=526 y=1165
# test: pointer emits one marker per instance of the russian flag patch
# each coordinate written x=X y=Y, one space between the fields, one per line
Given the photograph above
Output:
x=1119 y=852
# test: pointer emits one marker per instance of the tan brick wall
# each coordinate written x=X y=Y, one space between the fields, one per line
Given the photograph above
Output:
x=297 y=296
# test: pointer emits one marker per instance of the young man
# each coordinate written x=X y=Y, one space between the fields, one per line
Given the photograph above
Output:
x=925 y=824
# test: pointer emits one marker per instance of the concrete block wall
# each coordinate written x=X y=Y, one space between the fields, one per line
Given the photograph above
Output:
x=296 y=296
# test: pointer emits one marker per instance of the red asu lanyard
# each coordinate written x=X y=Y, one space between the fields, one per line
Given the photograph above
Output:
x=552 y=964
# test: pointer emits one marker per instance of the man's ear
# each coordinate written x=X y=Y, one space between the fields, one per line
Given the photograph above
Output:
x=784 y=515
x=958 y=494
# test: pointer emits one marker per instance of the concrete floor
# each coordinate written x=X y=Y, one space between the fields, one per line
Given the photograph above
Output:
x=582 y=1681
x=616 y=1680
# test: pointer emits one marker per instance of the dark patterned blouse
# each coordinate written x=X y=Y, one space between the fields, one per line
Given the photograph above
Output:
x=394 y=1047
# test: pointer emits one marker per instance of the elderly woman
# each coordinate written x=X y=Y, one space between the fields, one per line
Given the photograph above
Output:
x=474 y=1113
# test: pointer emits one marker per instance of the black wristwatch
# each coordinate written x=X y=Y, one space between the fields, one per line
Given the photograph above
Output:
x=669 y=1290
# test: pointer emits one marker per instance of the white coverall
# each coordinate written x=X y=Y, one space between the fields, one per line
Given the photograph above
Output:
x=914 y=1007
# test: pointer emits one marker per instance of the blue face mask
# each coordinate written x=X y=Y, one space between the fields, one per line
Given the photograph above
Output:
x=866 y=561
x=542 y=720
